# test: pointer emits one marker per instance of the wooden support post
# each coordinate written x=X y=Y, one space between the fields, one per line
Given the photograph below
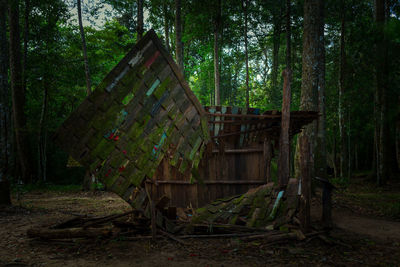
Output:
x=153 y=213
x=267 y=159
x=305 y=177
x=326 y=202
x=284 y=145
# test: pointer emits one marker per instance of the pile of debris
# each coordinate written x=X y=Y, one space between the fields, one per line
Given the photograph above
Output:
x=261 y=213
x=262 y=207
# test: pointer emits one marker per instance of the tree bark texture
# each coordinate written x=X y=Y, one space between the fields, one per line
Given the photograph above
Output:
x=139 y=28
x=284 y=141
x=166 y=26
x=217 y=22
x=275 y=95
x=320 y=149
x=288 y=35
x=381 y=103
x=18 y=95
x=26 y=36
x=42 y=135
x=398 y=136
x=342 y=91
x=308 y=101
x=84 y=50
x=4 y=109
x=245 y=9
x=178 y=35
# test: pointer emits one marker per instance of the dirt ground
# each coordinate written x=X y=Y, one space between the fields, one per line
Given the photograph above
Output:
x=357 y=240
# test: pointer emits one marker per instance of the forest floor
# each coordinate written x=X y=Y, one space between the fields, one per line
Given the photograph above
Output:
x=365 y=234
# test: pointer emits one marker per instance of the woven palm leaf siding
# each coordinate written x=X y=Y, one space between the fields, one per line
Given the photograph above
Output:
x=142 y=109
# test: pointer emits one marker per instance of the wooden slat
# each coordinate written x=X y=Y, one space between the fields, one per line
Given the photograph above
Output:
x=240 y=151
x=177 y=71
x=211 y=182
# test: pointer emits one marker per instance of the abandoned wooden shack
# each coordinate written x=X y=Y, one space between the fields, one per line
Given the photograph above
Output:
x=237 y=158
x=146 y=137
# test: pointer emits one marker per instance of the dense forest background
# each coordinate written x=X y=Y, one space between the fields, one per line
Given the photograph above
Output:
x=232 y=53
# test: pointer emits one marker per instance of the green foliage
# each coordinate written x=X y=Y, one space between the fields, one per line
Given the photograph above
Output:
x=55 y=60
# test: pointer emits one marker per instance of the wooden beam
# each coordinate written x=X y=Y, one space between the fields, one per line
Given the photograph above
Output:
x=233 y=182
x=244 y=116
x=239 y=151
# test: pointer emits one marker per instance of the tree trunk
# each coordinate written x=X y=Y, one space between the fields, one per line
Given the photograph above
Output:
x=342 y=105
x=245 y=6
x=288 y=35
x=381 y=116
x=178 y=35
x=274 y=95
x=4 y=110
x=284 y=142
x=85 y=58
x=139 y=28
x=398 y=136
x=309 y=101
x=18 y=96
x=349 y=157
x=42 y=135
x=87 y=183
x=217 y=20
x=166 y=25
x=320 y=149
x=26 y=35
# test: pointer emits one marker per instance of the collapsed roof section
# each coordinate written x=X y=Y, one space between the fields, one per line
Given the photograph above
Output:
x=243 y=126
x=142 y=108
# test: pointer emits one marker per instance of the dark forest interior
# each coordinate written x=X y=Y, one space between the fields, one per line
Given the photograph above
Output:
x=237 y=132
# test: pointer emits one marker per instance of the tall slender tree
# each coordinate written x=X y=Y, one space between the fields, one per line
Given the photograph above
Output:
x=217 y=26
x=84 y=50
x=308 y=101
x=245 y=4
x=26 y=37
x=139 y=27
x=166 y=25
x=342 y=91
x=178 y=35
x=284 y=141
x=381 y=101
x=276 y=39
x=320 y=150
x=18 y=95
x=87 y=184
x=288 y=55
x=4 y=110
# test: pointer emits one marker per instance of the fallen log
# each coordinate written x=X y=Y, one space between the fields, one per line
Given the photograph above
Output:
x=108 y=218
x=68 y=233
x=230 y=227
